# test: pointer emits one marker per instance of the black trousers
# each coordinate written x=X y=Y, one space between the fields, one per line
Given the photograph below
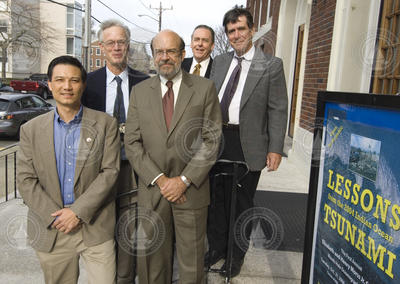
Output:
x=221 y=192
x=126 y=259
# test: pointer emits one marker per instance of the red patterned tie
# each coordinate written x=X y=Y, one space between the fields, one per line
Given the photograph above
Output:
x=168 y=104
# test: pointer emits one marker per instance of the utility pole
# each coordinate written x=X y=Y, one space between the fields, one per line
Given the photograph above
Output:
x=160 y=10
x=87 y=35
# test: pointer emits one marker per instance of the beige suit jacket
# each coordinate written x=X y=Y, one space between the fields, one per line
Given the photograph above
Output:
x=97 y=167
x=189 y=148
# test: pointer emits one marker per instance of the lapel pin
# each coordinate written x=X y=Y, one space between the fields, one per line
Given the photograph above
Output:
x=88 y=139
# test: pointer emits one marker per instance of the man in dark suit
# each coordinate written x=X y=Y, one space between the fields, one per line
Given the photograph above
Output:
x=252 y=92
x=68 y=162
x=202 y=44
x=108 y=90
x=172 y=140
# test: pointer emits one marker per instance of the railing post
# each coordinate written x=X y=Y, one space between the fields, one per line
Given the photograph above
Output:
x=9 y=153
x=15 y=174
x=6 y=169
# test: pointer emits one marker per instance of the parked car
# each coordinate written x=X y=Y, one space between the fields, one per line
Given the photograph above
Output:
x=5 y=88
x=36 y=83
x=16 y=109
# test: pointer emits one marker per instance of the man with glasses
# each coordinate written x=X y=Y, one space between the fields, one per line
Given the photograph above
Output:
x=108 y=90
x=172 y=140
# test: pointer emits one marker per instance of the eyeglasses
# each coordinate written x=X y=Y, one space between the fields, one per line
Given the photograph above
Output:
x=112 y=43
x=168 y=52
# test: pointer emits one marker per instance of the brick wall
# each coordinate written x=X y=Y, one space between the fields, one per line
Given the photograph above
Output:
x=267 y=41
x=317 y=60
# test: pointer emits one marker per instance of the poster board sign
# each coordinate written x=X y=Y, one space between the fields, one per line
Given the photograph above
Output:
x=353 y=215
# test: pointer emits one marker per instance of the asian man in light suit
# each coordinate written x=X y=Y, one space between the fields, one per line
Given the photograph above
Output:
x=68 y=163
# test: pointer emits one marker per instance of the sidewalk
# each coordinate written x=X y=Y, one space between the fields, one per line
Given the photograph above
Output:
x=18 y=262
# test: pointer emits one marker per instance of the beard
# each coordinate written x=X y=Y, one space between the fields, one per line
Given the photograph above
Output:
x=170 y=72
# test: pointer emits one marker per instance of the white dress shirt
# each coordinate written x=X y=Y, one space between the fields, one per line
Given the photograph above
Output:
x=234 y=107
x=111 y=90
x=176 y=84
x=204 y=66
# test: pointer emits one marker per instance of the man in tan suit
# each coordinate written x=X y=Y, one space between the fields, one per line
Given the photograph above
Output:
x=172 y=140
x=67 y=165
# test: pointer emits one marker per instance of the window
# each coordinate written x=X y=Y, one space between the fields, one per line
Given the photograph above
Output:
x=91 y=62
x=27 y=102
x=105 y=62
x=3 y=26
x=38 y=102
x=70 y=21
x=91 y=51
x=3 y=5
x=19 y=104
x=98 y=51
x=70 y=45
x=97 y=62
x=4 y=105
x=386 y=73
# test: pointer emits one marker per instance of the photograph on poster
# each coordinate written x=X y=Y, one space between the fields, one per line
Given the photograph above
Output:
x=364 y=156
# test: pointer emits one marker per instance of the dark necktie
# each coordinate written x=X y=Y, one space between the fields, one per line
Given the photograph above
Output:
x=196 y=70
x=119 y=109
x=230 y=90
x=168 y=104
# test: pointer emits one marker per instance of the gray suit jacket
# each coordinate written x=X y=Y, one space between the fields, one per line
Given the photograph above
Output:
x=97 y=167
x=189 y=148
x=263 y=106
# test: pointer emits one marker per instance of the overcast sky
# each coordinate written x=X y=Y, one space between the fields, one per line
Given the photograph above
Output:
x=184 y=16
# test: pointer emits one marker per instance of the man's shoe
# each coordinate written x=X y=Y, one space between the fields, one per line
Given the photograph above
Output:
x=235 y=270
x=212 y=257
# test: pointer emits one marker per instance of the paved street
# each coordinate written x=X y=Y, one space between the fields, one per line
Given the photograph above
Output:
x=18 y=263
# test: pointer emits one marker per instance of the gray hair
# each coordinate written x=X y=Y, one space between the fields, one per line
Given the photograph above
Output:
x=113 y=23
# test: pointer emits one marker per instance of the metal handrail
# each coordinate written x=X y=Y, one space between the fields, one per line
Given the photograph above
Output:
x=7 y=153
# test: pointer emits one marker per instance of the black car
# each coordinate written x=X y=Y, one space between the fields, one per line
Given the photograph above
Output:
x=16 y=109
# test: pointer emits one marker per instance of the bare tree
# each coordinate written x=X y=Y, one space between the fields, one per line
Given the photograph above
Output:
x=138 y=58
x=25 y=33
x=221 y=43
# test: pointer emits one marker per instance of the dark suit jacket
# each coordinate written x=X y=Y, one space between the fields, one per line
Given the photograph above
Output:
x=97 y=167
x=189 y=148
x=94 y=95
x=187 y=62
x=263 y=106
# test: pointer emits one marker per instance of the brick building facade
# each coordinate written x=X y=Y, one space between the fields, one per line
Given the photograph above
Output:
x=97 y=57
x=265 y=15
x=317 y=59
x=325 y=45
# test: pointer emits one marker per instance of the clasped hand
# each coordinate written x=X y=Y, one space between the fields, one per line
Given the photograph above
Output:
x=66 y=220
x=173 y=189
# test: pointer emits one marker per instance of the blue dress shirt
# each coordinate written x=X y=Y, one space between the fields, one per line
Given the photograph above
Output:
x=66 y=146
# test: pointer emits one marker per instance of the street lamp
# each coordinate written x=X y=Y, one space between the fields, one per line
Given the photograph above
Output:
x=158 y=21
